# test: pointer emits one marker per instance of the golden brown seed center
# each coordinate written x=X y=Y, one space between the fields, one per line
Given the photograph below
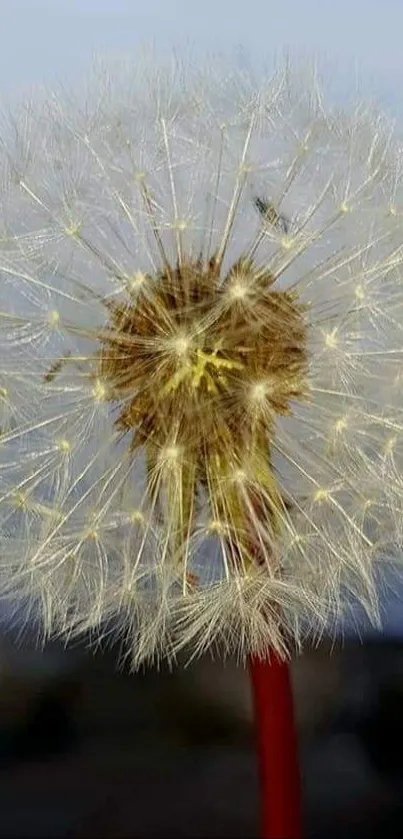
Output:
x=204 y=365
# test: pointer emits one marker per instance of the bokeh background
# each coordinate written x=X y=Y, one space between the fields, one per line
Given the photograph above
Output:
x=86 y=751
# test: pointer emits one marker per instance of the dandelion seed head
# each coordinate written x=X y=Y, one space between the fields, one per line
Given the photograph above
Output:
x=53 y=318
x=321 y=494
x=259 y=392
x=137 y=516
x=73 y=229
x=239 y=290
x=287 y=242
x=64 y=445
x=331 y=339
x=136 y=281
x=99 y=391
x=201 y=401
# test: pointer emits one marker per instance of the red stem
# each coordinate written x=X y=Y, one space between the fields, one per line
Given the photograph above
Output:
x=277 y=748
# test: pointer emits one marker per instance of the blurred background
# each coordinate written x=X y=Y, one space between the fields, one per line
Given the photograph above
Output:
x=86 y=751
x=44 y=40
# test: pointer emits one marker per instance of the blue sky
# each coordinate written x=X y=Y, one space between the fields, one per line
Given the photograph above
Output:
x=41 y=40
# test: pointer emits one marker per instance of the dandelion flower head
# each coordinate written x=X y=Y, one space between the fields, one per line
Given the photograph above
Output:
x=201 y=378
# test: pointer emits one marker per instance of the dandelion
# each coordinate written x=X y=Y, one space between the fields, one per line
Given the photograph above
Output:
x=201 y=386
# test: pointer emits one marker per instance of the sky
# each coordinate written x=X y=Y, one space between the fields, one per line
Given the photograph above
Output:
x=48 y=40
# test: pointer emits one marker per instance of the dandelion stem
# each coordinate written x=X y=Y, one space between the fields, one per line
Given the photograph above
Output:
x=277 y=748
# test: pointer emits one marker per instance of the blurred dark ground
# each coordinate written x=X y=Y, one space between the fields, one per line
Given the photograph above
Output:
x=86 y=751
